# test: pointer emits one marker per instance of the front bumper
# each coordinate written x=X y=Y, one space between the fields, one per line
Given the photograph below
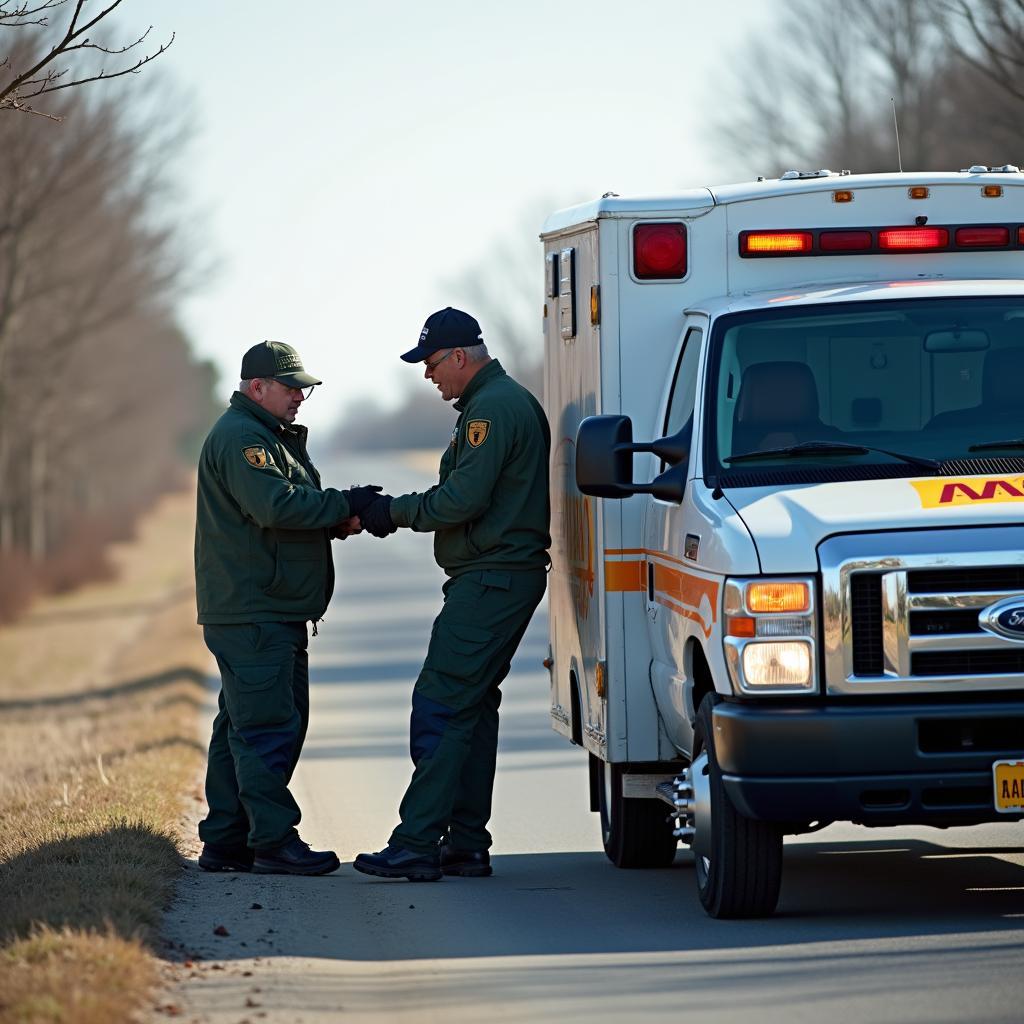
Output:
x=874 y=764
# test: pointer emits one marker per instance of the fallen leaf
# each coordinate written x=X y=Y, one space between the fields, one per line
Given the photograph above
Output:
x=221 y=930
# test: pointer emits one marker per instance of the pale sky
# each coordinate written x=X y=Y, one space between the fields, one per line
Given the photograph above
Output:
x=352 y=158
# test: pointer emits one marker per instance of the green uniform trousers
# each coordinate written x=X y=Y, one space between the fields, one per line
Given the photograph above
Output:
x=257 y=734
x=454 y=725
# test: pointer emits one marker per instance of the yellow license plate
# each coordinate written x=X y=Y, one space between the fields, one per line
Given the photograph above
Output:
x=1008 y=779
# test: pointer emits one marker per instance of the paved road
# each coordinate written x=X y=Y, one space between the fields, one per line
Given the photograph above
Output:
x=907 y=925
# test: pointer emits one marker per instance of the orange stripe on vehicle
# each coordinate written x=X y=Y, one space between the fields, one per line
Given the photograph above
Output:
x=644 y=551
x=620 y=577
x=685 y=588
x=686 y=613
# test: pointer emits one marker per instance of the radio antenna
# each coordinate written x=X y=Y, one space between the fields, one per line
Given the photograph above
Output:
x=896 y=125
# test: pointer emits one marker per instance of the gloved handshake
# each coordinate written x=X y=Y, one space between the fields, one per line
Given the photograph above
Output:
x=377 y=517
x=368 y=509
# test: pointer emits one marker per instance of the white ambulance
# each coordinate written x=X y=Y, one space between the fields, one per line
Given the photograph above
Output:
x=787 y=496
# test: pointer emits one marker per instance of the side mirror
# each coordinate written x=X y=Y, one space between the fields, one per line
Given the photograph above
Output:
x=604 y=460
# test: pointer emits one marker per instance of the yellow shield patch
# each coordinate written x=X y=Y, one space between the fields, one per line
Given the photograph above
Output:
x=477 y=431
x=255 y=456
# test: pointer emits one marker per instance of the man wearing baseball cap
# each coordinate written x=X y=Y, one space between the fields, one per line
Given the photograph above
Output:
x=263 y=570
x=489 y=513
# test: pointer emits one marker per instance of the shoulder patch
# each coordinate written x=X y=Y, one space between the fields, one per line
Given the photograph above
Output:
x=477 y=431
x=255 y=456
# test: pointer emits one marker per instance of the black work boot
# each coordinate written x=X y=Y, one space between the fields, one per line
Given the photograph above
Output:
x=465 y=863
x=225 y=858
x=394 y=862
x=295 y=858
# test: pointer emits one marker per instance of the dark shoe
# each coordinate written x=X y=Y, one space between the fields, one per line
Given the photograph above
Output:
x=225 y=858
x=394 y=862
x=295 y=858
x=465 y=863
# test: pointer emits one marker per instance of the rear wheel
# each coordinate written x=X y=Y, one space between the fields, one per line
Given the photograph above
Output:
x=635 y=833
x=738 y=861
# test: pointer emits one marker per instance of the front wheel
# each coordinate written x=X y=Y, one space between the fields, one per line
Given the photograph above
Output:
x=636 y=833
x=738 y=861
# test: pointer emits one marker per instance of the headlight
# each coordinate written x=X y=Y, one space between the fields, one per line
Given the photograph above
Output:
x=770 y=629
x=777 y=664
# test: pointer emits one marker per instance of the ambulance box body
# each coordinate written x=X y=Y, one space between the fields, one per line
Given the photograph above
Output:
x=787 y=488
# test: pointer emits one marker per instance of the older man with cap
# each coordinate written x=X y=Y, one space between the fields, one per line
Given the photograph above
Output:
x=489 y=513
x=264 y=569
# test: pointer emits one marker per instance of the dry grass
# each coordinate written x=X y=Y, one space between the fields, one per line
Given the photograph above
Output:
x=98 y=697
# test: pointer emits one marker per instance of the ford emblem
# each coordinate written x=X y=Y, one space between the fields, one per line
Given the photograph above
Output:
x=1005 y=618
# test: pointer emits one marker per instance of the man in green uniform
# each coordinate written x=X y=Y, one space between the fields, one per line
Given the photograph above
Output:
x=489 y=513
x=263 y=570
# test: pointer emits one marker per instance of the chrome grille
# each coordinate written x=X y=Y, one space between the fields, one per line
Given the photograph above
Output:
x=900 y=610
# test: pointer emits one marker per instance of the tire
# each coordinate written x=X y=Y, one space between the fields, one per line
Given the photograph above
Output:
x=635 y=833
x=741 y=872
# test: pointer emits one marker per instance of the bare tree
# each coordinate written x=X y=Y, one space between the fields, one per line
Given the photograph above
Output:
x=832 y=67
x=989 y=35
x=97 y=385
x=58 y=62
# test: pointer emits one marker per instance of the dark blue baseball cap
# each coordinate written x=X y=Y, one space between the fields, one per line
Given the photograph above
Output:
x=447 y=328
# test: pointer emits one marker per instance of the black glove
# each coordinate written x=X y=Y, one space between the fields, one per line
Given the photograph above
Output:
x=377 y=517
x=359 y=498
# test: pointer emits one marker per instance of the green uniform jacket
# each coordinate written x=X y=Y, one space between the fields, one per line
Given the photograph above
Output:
x=490 y=508
x=263 y=546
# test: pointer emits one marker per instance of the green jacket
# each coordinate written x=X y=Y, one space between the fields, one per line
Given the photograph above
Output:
x=490 y=507
x=263 y=546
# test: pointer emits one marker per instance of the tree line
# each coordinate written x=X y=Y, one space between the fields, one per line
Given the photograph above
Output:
x=820 y=89
x=100 y=396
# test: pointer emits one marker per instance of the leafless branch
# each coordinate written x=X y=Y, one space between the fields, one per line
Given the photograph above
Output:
x=44 y=76
x=990 y=39
x=23 y=14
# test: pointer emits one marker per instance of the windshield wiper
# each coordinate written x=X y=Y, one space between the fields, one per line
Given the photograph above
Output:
x=809 y=449
x=1013 y=442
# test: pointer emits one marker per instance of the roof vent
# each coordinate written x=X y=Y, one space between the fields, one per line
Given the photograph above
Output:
x=1006 y=169
x=974 y=169
x=793 y=175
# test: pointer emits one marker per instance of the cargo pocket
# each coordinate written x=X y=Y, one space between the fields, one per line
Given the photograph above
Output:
x=456 y=663
x=258 y=695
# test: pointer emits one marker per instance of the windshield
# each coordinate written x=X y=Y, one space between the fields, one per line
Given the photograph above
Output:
x=846 y=391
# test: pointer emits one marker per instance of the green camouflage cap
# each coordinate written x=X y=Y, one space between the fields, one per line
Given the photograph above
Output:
x=277 y=360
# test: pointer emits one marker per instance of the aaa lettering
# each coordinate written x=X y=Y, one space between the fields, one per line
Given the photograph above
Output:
x=947 y=493
x=989 y=492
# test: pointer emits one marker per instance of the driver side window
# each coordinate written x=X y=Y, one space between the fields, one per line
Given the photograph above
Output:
x=679 y=415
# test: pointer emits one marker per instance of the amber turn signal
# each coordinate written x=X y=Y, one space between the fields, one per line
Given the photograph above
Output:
x=778 y=597
x=741 y=625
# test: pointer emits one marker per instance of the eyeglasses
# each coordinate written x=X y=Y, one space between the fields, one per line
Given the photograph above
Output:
x=306 y=391
x=438 y=362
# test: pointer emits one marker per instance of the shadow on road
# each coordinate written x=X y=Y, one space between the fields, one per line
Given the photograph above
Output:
x=577 y=903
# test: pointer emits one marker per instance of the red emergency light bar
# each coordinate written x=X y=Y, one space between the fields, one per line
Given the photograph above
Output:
x=880 y=240
x=990 y=236
x=912 y=239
